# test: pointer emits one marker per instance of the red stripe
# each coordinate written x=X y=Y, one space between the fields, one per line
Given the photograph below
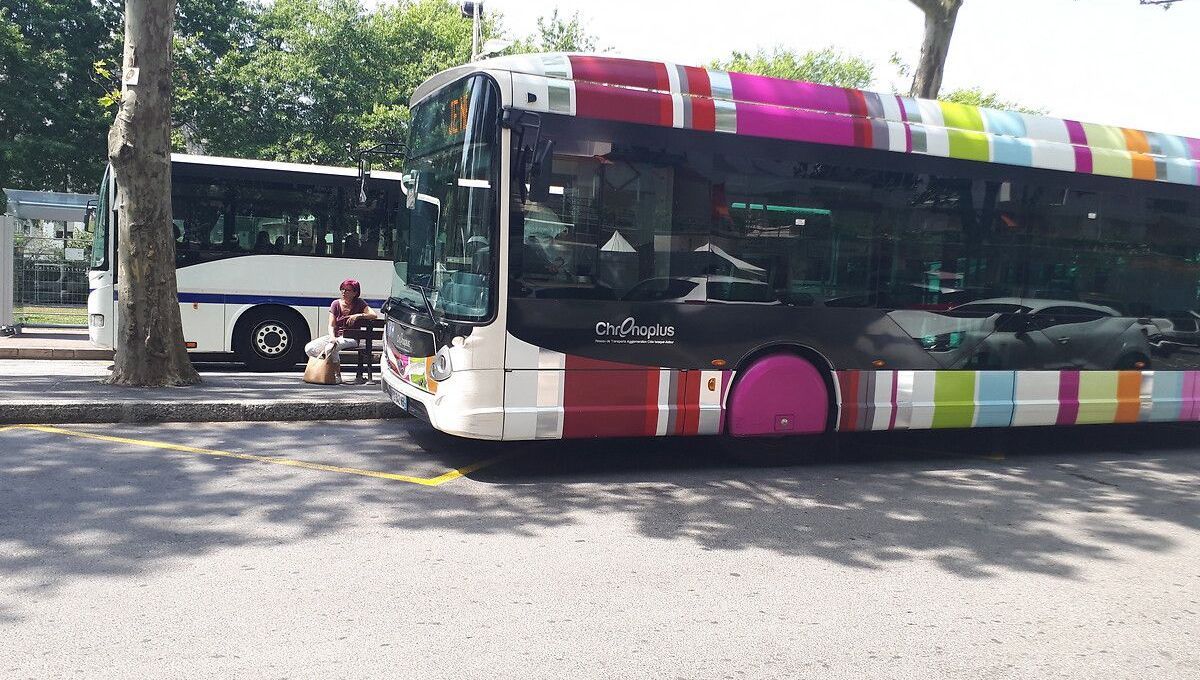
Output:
x=626 y=72
x=863 y=134
x=651 y=427
x=704 y=113
x=697 y=81
x=614 y=103
x=603 y=399
x=680 y=402
x=848 y=380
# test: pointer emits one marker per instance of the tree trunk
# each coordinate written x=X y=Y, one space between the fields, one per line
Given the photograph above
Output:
x=150 y=349
x=939 y=27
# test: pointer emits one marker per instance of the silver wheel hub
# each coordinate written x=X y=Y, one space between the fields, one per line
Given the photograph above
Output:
x=271 y=339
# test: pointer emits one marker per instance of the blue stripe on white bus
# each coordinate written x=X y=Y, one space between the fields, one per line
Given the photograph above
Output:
x=233 y=299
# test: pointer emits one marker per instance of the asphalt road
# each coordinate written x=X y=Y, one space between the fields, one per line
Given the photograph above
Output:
x=354 y=550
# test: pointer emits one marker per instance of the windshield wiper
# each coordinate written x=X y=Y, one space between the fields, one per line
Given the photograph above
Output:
x=425 y=299
x=438 y=322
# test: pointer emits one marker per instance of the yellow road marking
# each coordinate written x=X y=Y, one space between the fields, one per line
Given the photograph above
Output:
x=276 y=460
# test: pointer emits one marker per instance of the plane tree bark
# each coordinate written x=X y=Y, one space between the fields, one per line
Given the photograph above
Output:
x=150 y=345
x=940 y=16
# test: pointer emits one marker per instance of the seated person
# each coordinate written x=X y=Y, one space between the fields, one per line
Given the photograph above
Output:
x=262 y=242
x=344 y=313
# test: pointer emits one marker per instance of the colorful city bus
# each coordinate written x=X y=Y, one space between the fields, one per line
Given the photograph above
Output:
x=260 y=248
x=602 y=247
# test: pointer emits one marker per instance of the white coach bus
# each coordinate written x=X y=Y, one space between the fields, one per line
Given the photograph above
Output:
x=260 y=248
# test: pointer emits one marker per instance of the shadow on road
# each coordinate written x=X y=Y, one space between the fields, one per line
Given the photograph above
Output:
x=1041 y=501
x=1035 y=501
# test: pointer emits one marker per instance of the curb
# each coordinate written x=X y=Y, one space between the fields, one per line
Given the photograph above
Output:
x=49 y=353
x=17 y=413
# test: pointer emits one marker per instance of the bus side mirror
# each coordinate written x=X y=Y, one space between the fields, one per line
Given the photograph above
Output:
x=540 y=172
x=89 y=217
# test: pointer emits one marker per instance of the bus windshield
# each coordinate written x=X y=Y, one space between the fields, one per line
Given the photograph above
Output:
x=444 y=256
x=99 y=225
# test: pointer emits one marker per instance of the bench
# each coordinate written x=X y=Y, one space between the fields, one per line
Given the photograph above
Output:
x=367 y=333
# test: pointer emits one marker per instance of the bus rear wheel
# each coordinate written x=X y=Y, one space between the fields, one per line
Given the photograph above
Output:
x=270 y=339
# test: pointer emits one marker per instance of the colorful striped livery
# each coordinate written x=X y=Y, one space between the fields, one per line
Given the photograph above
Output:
x=654 y=93
x=913 y=400
x=551 y=395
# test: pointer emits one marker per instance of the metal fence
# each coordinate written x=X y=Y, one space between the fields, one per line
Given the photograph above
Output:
x=49 y=289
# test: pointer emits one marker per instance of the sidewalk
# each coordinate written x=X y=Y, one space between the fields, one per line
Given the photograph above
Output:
x=51 y=343
x=46 y=392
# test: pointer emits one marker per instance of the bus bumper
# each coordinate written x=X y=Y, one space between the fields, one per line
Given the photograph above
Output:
x=101 y=308
x=469 y=404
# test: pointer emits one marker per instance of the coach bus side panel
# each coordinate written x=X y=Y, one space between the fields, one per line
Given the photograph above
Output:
x=203 y=324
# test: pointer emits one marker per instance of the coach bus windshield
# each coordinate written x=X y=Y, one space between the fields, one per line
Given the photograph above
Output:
x=99 y=225
x=448 y=225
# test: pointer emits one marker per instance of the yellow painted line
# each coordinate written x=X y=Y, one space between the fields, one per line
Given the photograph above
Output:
x=275 y=460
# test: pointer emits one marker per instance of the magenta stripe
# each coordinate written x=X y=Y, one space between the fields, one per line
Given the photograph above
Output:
x=1191 y=396
x=776 y=92
x=895 y=391
x=1194 y=146
x=795 y=124
x=907 y=129
x=1068 y=397
x=1076 y=132
x=1083 y=153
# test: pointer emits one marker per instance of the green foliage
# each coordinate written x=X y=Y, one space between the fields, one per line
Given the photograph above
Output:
x=976 y=96
x=827 y=66
x=52 y=133
x=556 y=34
x=319 y=77
x=59 y=86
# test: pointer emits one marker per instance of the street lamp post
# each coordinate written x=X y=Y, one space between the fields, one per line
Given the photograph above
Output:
x=473 y=9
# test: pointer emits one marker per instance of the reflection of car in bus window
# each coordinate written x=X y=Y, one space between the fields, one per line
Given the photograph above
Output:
x=1178 y=333
x=1032 y=333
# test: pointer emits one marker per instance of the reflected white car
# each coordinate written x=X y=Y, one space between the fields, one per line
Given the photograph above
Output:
x=1031 y=333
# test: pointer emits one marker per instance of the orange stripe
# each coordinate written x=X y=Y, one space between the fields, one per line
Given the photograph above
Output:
x=1135 y=141
x=1143 y=166
x=1129 y=396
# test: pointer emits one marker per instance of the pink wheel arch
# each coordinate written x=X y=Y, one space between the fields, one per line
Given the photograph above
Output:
x=778 y=394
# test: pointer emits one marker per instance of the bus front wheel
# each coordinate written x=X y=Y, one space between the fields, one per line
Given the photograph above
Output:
x=270 y=339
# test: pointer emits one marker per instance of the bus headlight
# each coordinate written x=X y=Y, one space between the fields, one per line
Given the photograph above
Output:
x=441 y=368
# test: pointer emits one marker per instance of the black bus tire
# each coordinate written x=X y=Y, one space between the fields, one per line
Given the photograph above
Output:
x=780 y=451
x=270 y=338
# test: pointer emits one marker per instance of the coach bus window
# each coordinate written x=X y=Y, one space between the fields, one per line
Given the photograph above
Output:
x=217 y=220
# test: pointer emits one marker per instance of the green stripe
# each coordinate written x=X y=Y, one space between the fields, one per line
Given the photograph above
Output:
x=961 y=116
x=1097 y=397
x=971 y=146
x=954 y=399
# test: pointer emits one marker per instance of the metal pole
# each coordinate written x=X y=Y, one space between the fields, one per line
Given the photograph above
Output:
x=8 y=225
x=475 y=31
